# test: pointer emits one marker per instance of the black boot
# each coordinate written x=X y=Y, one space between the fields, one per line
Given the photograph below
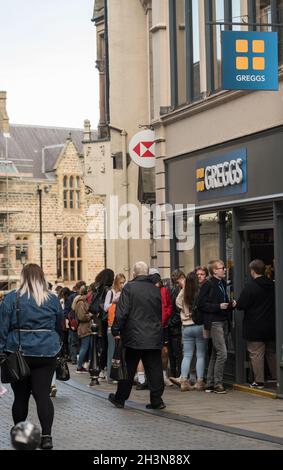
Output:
x=46 y=443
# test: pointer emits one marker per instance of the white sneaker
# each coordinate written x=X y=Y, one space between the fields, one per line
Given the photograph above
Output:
x=167 y=382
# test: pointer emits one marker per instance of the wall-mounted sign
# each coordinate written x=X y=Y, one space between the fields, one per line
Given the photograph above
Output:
x=142 y=149
x=249 y=60
x=222 y=175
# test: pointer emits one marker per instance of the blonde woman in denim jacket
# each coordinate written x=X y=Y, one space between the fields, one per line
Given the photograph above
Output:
x=40 y=326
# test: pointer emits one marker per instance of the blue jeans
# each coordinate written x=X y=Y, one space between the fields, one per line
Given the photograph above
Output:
x=193 y=337
x=84 y=349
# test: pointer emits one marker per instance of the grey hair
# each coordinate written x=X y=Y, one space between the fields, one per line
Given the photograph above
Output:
x=140 y=269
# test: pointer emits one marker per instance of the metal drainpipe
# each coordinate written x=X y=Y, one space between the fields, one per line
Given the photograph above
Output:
x=124 y=134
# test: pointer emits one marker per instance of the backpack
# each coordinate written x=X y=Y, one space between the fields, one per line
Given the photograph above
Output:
x=72 y=320
x=97 y=304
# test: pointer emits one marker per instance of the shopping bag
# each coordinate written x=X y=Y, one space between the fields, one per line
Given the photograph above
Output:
x=62 y=369
x=119 y=367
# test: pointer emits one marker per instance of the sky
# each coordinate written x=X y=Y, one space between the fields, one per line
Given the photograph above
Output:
x=47 y=62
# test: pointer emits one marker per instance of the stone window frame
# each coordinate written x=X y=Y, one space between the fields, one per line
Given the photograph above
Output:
x=70 y=258
x=184 y=29
x=72 y=192
x=21 y=244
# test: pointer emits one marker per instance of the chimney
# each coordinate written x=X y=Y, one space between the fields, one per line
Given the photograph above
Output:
x=4 y=119
x=87 y=131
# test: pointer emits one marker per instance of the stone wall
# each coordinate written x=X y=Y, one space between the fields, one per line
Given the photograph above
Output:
x=22 y=202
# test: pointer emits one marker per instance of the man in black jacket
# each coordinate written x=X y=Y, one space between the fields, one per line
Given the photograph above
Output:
x=138 y=322
x=258 y=302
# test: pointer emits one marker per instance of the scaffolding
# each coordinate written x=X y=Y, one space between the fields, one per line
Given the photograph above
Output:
x=9 y=170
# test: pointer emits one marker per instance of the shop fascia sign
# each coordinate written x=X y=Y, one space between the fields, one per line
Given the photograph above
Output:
x=249 y=60
x=222 y=175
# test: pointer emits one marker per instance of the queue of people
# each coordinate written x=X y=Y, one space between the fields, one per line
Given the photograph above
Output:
x=154 y=318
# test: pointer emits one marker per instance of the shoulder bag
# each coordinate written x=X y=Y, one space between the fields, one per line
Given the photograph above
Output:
x=14 y=368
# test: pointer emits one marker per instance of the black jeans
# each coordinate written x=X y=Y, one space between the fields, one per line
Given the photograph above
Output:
x=38 y=383
x=104 y=346
x=175 y=354
x=151 y=359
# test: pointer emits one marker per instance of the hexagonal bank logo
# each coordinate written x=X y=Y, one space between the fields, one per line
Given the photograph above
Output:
x=142 y=149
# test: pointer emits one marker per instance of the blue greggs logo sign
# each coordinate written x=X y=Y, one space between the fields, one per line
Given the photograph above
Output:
x=249 y=60
x=222 y=175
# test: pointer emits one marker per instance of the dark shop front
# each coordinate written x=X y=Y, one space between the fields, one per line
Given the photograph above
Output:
x=237 y=190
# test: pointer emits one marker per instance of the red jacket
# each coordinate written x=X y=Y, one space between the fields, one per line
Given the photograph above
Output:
x=167 y=307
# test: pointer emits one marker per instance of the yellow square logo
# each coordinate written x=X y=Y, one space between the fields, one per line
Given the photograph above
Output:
x=200 y=186
x=200 y=173
x=242 y=63
x=242 y=45
x=258 y=47
x=258 y=63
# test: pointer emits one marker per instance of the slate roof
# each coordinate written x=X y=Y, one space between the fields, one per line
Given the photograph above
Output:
x=26 y=143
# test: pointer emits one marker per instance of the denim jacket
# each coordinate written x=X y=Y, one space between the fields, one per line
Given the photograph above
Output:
x=40 y=326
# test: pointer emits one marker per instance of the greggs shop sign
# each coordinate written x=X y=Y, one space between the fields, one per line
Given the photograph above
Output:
x=249 y=60
x=223 y=175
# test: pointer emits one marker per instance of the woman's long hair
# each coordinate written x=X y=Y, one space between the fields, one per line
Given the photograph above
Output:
x=105 y=278
x=33 y=283
x=191 y=289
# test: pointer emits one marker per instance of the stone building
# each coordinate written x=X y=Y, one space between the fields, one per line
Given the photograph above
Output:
x=46 y=210
x=124 y=84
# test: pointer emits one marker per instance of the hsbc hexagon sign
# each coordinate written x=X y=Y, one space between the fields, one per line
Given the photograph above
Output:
x=142 y=149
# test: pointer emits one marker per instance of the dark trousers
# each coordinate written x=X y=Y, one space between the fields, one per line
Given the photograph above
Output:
x=104 y=346
x=38 y=383
x=73 y=345
x=151 y=359
x=175 y=354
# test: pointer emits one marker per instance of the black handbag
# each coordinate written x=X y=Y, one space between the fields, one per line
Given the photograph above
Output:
x=62 y=369
x=14 y=368
x=119 y=367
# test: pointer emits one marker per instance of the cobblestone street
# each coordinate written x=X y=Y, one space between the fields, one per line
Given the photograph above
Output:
x=86 y=422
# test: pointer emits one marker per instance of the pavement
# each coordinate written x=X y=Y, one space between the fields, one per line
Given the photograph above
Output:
x=86 y=421
x=237 y=412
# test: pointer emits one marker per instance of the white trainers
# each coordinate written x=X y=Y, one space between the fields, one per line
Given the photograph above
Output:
x=167 y=382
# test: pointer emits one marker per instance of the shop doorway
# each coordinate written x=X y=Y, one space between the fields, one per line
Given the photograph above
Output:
x=258 y=244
